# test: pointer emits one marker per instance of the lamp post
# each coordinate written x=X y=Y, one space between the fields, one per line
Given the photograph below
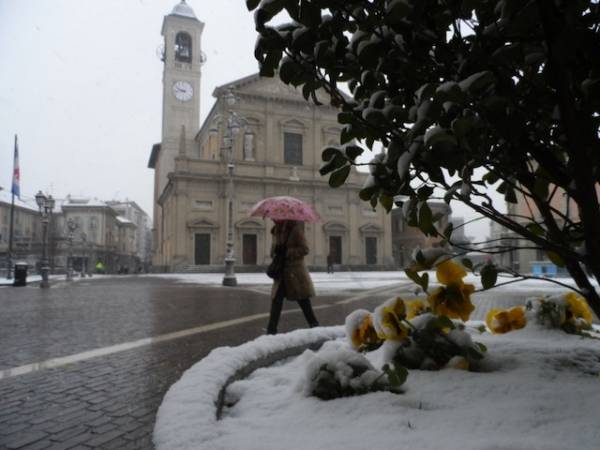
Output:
x=71 y=227
x=88 y=255
x=234 y=124
x=45 y=205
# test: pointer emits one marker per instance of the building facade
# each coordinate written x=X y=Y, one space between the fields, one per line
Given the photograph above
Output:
x=406 y=238
x=99 y=234
x=277 y=151
x=142 y=239
x=26 y=230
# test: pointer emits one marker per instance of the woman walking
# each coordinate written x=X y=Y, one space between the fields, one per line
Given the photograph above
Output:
x=295 y=283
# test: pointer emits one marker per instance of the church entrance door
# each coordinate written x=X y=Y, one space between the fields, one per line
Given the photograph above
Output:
x=249 y=249
x=202 y=248
x=371 y=250
x=335 y=249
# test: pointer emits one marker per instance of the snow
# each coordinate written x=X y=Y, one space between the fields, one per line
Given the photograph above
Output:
x=54 y=279
x=323 y=281
x=6 y=197
x=188 y=415
x=542 y=394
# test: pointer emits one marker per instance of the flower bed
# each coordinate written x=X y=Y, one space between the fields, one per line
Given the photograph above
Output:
x=192 y=406
x=541 y=395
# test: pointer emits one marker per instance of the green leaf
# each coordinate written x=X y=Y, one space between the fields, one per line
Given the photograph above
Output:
x=396 y=11
x=535 y=228
x=424 y=192
x=338 y=177
x=445 y=322
x=541 y=187
x=425 y=281
x=425 y=92
x=490 y=178
x=489 y=276
x=449 y=91
x=396 y=375
x=345 y=117
x=437 y=135
x=477 y=81
x=347 y=134
x=510 y=196
x=352 y=152
x=425 y=218
x=473 y=353
x=422 y=281
x=386 y=201
x=555 y=258
x=252 y=4
x=329 y=152
x=463 y=125
x=467 y=263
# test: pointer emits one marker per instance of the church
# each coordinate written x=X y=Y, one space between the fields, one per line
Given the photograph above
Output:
x=260 y=139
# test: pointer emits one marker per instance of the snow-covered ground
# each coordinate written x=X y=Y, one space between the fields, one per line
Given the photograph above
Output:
x=322 y=280
x=57 y=278
x=542 y=394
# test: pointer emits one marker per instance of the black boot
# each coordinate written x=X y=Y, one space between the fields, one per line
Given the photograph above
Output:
x=308 y=312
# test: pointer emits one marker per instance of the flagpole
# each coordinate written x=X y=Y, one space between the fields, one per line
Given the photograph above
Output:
x=11 y=226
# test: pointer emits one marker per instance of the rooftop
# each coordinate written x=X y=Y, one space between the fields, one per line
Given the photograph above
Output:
x=184 y=10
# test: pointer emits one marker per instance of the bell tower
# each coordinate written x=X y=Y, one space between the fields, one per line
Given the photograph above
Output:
x=182 y=57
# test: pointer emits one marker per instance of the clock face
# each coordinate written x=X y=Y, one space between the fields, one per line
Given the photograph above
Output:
x=183 y=91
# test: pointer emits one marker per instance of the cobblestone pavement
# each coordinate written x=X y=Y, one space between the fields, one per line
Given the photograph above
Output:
x=111 y=401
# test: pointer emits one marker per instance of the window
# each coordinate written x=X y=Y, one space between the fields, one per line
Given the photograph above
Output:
x=183 y=47
x=206 y=205
x=292 y=149
x=336 y=210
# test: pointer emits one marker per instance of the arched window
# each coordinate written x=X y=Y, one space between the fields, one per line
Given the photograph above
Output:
x=183 y=47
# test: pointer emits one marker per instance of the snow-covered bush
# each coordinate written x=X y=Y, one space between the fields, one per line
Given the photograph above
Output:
x=339 y=372
x=420 y=334
x=567 y=311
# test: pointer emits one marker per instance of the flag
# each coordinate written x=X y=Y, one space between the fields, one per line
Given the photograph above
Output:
x=16 y=185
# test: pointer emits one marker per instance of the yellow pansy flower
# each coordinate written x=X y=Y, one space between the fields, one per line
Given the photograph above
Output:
x=364 y=334
x=415 y=308
x=453 y=301
x=449 y=272
x=388 y=320
x=502 y=321
x=578 y=307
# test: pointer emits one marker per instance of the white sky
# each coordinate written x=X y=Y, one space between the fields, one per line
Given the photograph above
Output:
x=81 y=86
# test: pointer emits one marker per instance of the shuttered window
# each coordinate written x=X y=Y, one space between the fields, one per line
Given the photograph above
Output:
x=292 y=149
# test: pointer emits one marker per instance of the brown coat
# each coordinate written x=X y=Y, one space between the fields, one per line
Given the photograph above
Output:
x=296 y=279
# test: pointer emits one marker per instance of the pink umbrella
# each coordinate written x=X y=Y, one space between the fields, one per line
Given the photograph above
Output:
x=285 y=208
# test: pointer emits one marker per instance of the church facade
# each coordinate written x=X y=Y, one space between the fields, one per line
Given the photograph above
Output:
x=260 y=139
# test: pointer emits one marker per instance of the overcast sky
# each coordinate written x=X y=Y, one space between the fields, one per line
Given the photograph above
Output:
x=81 y=86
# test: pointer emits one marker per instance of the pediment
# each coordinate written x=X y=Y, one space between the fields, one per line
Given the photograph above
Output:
x=371 y=228
x=334 y=226
x=255 y=85
x=201 y=223
x=250 y=224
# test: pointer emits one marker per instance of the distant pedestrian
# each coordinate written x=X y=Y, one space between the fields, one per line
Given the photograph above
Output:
x=100 y=267
x=295 y=283
x=330 y=260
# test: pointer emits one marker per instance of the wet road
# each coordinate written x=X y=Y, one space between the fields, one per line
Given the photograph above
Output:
x=110 y=401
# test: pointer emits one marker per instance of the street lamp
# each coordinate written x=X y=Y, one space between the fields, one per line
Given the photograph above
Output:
x=88 y=254
x=234 y=125
x=45 y=205
x=71 y=226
